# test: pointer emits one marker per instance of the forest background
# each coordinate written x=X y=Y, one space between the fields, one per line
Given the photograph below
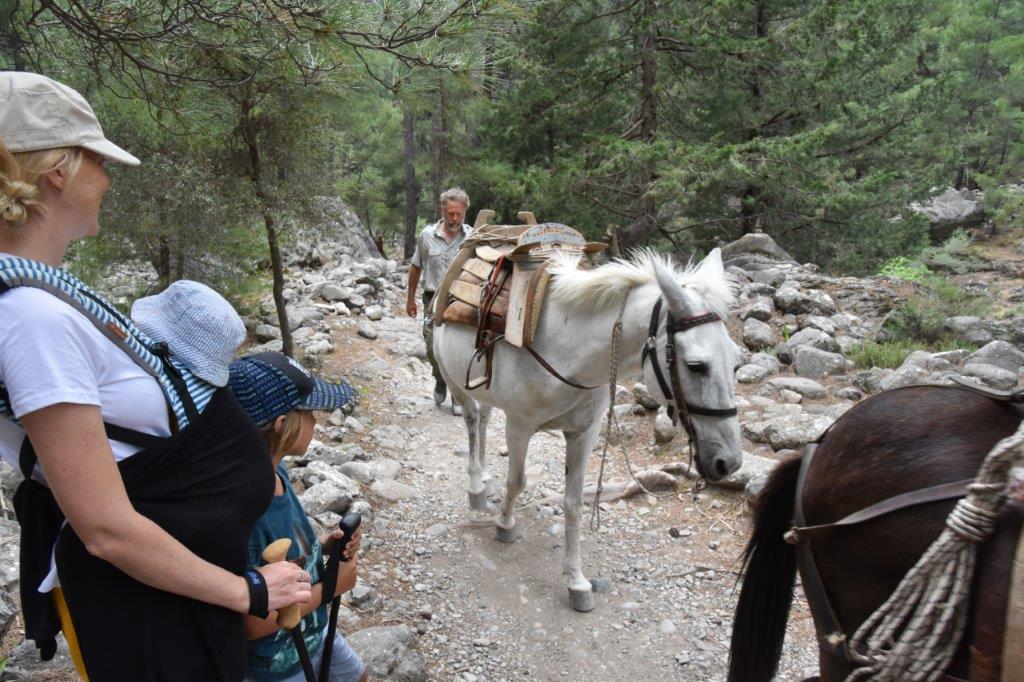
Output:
x=681 y=124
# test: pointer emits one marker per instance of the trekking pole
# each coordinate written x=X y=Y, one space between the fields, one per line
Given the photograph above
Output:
x=288 y=617
x=348 y=526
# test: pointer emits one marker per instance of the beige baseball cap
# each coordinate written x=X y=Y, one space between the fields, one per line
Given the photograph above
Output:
x=38 y=113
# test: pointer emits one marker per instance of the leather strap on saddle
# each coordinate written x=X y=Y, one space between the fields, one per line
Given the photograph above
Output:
x=1016 y=396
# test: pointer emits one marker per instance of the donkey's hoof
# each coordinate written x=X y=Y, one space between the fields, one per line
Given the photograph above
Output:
x=479 y=501
x=506 y=535
x=488 y=487
x=581 y=601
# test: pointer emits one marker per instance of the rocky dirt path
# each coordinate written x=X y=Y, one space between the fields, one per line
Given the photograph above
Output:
x=488 y=611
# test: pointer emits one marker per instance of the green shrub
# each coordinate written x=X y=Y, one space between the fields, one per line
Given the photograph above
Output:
x=886 y=355
x=905 y=268
x=891 y=354
x=954 y=255
x=919 y=319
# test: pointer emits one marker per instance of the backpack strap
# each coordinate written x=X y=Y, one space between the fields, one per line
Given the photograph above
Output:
x=186 y=394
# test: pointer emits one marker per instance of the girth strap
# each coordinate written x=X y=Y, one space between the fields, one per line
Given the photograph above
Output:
x=935 y=493
x=830 y=632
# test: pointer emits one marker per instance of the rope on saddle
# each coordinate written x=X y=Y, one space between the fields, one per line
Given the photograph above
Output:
x=915 y=633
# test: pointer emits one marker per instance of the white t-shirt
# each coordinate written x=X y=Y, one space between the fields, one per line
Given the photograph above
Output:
x=50 y=353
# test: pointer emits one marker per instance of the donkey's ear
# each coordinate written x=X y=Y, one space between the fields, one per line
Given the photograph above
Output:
x=680 y=302
x=711 y=267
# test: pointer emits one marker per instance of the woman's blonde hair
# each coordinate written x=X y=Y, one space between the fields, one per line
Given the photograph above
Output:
x=20 y=173
x=280 y=440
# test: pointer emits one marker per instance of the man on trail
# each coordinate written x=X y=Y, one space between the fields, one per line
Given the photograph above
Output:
x=436 y=247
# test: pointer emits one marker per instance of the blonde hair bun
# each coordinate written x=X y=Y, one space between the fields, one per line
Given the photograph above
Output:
x=15 y=198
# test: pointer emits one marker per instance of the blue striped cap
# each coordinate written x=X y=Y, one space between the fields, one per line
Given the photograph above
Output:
x=271 y=384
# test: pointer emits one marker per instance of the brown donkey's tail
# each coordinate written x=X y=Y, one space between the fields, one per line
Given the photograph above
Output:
x=769 y=568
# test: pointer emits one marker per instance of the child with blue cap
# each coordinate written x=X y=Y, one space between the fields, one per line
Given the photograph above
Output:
x=280 y=397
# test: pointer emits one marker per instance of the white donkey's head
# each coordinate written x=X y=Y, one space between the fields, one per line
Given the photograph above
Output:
x=705 y=360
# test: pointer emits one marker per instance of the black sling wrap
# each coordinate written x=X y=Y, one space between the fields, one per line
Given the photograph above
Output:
x=206 y=486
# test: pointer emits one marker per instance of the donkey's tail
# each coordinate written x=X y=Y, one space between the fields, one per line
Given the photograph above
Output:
x=769 y=568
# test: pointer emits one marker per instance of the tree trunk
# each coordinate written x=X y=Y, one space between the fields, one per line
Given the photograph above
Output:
x=751 y=209
x=412 y=187
x=645 y=222
x=163 y=261
x=11 y=39
x=256 y=175
x=441 y=138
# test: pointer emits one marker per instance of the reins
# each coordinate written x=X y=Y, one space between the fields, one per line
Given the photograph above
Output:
x=679 y=410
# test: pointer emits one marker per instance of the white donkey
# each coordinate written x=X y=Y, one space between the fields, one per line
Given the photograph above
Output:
x=695 y=364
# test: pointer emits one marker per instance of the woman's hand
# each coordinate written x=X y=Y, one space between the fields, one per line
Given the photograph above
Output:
x=286 y=584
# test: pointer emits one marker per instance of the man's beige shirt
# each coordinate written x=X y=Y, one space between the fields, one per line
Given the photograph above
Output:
x=434 y=254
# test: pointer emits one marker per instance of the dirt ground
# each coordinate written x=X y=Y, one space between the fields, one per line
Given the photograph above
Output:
x=490 y=611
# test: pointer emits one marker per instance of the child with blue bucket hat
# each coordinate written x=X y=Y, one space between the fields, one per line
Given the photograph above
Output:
x=280 y=397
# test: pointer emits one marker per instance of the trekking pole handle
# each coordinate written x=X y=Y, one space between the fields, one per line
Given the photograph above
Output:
x=287 y=616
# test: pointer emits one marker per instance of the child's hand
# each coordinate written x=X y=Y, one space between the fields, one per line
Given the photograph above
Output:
x=347 y=576
x=328 y=540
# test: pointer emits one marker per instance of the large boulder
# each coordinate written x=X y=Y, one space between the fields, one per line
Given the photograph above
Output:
x=755 y=251
x=808 y=388
x=389 y=653
x=1000 y=354
x=815 y=338
x=811 y=363
x=330 y=229
x=788 y=431
x=991 y=375
x=950 y=210
x=757 y=334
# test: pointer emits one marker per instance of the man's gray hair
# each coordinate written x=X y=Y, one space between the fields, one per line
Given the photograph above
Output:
x=455 y=194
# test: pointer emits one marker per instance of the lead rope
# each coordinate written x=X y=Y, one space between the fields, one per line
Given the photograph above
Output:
x=914 y=634
x=613 y=424
x=613 y=373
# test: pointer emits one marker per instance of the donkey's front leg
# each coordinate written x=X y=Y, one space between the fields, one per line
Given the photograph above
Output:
x=517 y=436
x=577 y=452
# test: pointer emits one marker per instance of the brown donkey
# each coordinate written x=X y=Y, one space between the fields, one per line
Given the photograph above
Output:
x=892 y=443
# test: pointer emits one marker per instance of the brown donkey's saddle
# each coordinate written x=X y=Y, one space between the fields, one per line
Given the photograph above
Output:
x=498 y=280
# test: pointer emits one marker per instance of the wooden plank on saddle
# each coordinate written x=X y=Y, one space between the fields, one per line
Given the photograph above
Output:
x=483 y=217
x=515 y=324
x=488 y=253
x=527 y=217
x=479 y=268
x=466 y=292
x=440 y=301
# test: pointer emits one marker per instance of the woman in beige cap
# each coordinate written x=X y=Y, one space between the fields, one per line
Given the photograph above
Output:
x=159 y=475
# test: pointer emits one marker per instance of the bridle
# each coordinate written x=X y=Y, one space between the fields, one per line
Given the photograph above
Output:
x=679 y=410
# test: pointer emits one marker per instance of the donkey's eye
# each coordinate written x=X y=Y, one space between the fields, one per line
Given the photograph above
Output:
x=697 y=367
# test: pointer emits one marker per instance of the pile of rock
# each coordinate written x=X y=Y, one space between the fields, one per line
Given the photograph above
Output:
x=371 y=288
x=798 y=340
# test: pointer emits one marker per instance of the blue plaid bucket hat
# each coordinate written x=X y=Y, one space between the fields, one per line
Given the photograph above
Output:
x=269 y=385
x=198 y=325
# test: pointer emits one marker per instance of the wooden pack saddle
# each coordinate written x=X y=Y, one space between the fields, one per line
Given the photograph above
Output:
x=497 y=282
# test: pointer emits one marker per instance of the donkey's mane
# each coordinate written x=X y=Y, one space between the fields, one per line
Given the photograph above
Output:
x=593 y=290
